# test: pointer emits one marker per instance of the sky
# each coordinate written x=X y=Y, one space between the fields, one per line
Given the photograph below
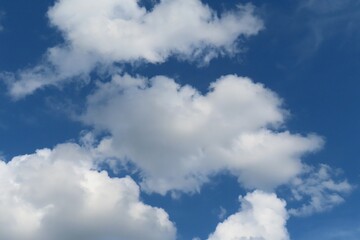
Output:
x=179 y=119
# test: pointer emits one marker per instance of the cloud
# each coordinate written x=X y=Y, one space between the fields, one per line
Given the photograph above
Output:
x=124 y=31
x=59 y=65
x=54 y=194
x=325 y=7
x=2 y=15
x=326 y=20
x=103 y=32
x=262 y=217
x=179 y=138
x=222 y=213
x=348 y=229
x=322 y=189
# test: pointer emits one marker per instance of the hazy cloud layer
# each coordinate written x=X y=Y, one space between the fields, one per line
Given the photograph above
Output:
x=103 y=32
x=179 y=137
x=54 y=194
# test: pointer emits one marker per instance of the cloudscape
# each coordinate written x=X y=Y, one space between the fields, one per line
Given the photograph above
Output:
x=179 y=120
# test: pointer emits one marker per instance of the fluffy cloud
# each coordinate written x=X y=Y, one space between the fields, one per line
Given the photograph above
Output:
x=179 y=137
x=124 y=31
x=262 y=217
x=103 y=32
x=322 y=189
x=54 y=194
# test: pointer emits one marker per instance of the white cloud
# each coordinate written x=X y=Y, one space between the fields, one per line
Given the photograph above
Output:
x=54 y=194
x=123 y=31
x=179 y=137
x=321 y=188
x=60 y=64
x=103 y=32
x=262 y=217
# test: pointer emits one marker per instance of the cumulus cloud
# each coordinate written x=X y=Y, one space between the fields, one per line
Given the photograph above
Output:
x=124 y=31
x=104 y=32
x=178 y=137
x=262 y=217
x=322 y=189
x=54 y=194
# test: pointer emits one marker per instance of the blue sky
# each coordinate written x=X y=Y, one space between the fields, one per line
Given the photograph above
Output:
x=251 y=134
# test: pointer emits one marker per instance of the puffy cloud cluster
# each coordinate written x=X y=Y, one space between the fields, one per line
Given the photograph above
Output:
x=262 y=217
x=103 y=32
x=54 y=194
x=179 y=137
x=321 y=187
x=176 y=136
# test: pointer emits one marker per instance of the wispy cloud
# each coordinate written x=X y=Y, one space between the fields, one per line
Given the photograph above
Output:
x=2 y=15
x=322 y=187
x=327 y=19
